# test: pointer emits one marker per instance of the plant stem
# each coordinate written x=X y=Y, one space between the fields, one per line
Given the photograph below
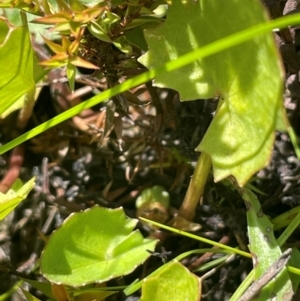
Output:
x=196 y=187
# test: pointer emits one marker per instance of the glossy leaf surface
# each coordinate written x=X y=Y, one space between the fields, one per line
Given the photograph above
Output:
x=94 y=246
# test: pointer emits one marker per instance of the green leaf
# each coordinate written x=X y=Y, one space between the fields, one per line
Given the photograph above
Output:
x=44 y=287
x=94 y=246
x=110 y=18
x=184 y=60
x=94 y=293
x=39 y=30
x=3 y=31
x=136 y=38
x=153 y=194
x=264 y=249
x=71 y=73
x=14 y=196
x=98 y=32
x=123 y=45
x=171 y=282
x=295 y=262
x=28 y=296
x=247 y=78
x=148 y=21
x=153 y=203
x=17 y=76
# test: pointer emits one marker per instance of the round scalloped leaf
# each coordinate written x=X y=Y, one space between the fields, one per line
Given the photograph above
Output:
x=95 y=245
x=247 y=78
x=171 y=282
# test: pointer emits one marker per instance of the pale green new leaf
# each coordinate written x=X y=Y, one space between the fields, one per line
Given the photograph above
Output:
x=172 y=281
x=14 y=196
x=246 y=78
x=94 y=246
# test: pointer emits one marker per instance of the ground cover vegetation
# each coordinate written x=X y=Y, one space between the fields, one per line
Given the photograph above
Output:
x=149 y=150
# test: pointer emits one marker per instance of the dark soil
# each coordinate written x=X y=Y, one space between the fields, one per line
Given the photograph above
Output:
x=114 y=158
